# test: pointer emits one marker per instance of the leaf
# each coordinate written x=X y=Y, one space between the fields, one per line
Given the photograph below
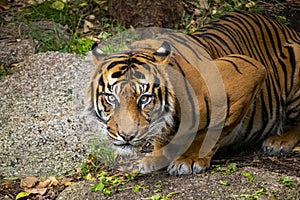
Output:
x=248 y=175
x=89 y=177
x=4 y=4
x=261 y=191
x=40 y=191
x=10 y=178
x=226 y=183
x=66 y=181
x=22 y=194
x=29 y=182
x=57 y=5
x=87 y=26
x=97 y=187
x=51 y=180
x=136 y=188
x=296 y=149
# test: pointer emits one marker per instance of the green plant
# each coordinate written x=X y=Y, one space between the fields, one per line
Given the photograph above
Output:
x=254 y=196
x=226 y=169
x=286 y=181
x=78 y=45
x=102 y=151
x=206 y=11
x=225 y=183
x=5 y=72
x=137 y=188
x=108 y=183
x=66 y=33
x=157 y=197
x=248 y=175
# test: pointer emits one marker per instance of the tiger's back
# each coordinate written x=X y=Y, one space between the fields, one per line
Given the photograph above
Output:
x=274 y=45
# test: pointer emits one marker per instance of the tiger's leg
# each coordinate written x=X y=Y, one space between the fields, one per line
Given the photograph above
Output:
x=159 y=159
x=190 y=162
x=284 y=143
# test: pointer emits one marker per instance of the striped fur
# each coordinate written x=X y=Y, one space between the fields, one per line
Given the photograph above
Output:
x=147 y=92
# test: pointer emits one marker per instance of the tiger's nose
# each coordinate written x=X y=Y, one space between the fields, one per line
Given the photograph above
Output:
x=126 y=137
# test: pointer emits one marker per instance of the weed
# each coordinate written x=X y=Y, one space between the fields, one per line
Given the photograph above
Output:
x=213 y=9
x=157 y=197
x=137 y=188
x=254 y=196
x=108 y=183
x=225 y=183
x=287 y=182
x=4 y=72
x=66 y=33
x=227 y=169
x=248 y=175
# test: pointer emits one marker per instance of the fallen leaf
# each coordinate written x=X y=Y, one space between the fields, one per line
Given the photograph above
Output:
x=66 y=181
x=57 y=5
x=29 y=182
x=40 y=191
x=89 y=177
x=4 y=4
x=54 y=181
x=296 y=149
x=48 y=182
x=87 y=26
x=6 y=184
x=274 y=159
x=44 y=184
x=22 y=194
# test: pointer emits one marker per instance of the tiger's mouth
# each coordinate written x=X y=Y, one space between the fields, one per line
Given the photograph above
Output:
x=140 y=146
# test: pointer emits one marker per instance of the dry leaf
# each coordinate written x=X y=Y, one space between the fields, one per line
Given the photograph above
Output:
x=4 y=4
x=274 y=159
x=54 y=181
x=68 y=183
x=40 y=191
x=29 y=182
x=296 y=149
x=64 y=181
x=87 y=25
x=51 y=180
x=89 y=177
x=44 y=184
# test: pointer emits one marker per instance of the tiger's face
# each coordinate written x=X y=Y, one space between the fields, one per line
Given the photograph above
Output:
x=131 y=96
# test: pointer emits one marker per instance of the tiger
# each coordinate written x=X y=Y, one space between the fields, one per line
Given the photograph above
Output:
x=162 y=93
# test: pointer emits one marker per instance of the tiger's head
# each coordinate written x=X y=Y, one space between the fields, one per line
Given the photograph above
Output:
x=131 y=96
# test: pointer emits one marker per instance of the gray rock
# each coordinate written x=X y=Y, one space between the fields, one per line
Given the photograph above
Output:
x=41 y=131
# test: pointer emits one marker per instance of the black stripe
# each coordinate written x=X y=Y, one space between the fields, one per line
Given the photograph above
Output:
x=232 y=63
x=113 y=64
x=207 y=112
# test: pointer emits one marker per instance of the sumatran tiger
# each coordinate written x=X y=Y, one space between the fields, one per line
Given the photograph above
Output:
x=169 y=92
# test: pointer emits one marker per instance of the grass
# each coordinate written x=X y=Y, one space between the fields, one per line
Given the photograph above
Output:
x=67 y=31
x=213 y=9
x=76 y=24
x=5 y=72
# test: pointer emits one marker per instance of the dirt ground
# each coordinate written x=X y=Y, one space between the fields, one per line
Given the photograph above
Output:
x=217 y=183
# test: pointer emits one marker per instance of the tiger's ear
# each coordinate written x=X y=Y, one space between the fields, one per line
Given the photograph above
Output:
x=162 y=54
x=98 y=55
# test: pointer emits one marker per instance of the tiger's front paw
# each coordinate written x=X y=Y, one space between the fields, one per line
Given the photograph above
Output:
x=152 y=163
x=282 y=144
x=188 y=165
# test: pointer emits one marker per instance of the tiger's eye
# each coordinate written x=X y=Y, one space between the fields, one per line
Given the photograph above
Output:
x=111 y=98
x=145 y=99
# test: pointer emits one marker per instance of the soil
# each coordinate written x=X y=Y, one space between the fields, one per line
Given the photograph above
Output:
x=216 y=183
